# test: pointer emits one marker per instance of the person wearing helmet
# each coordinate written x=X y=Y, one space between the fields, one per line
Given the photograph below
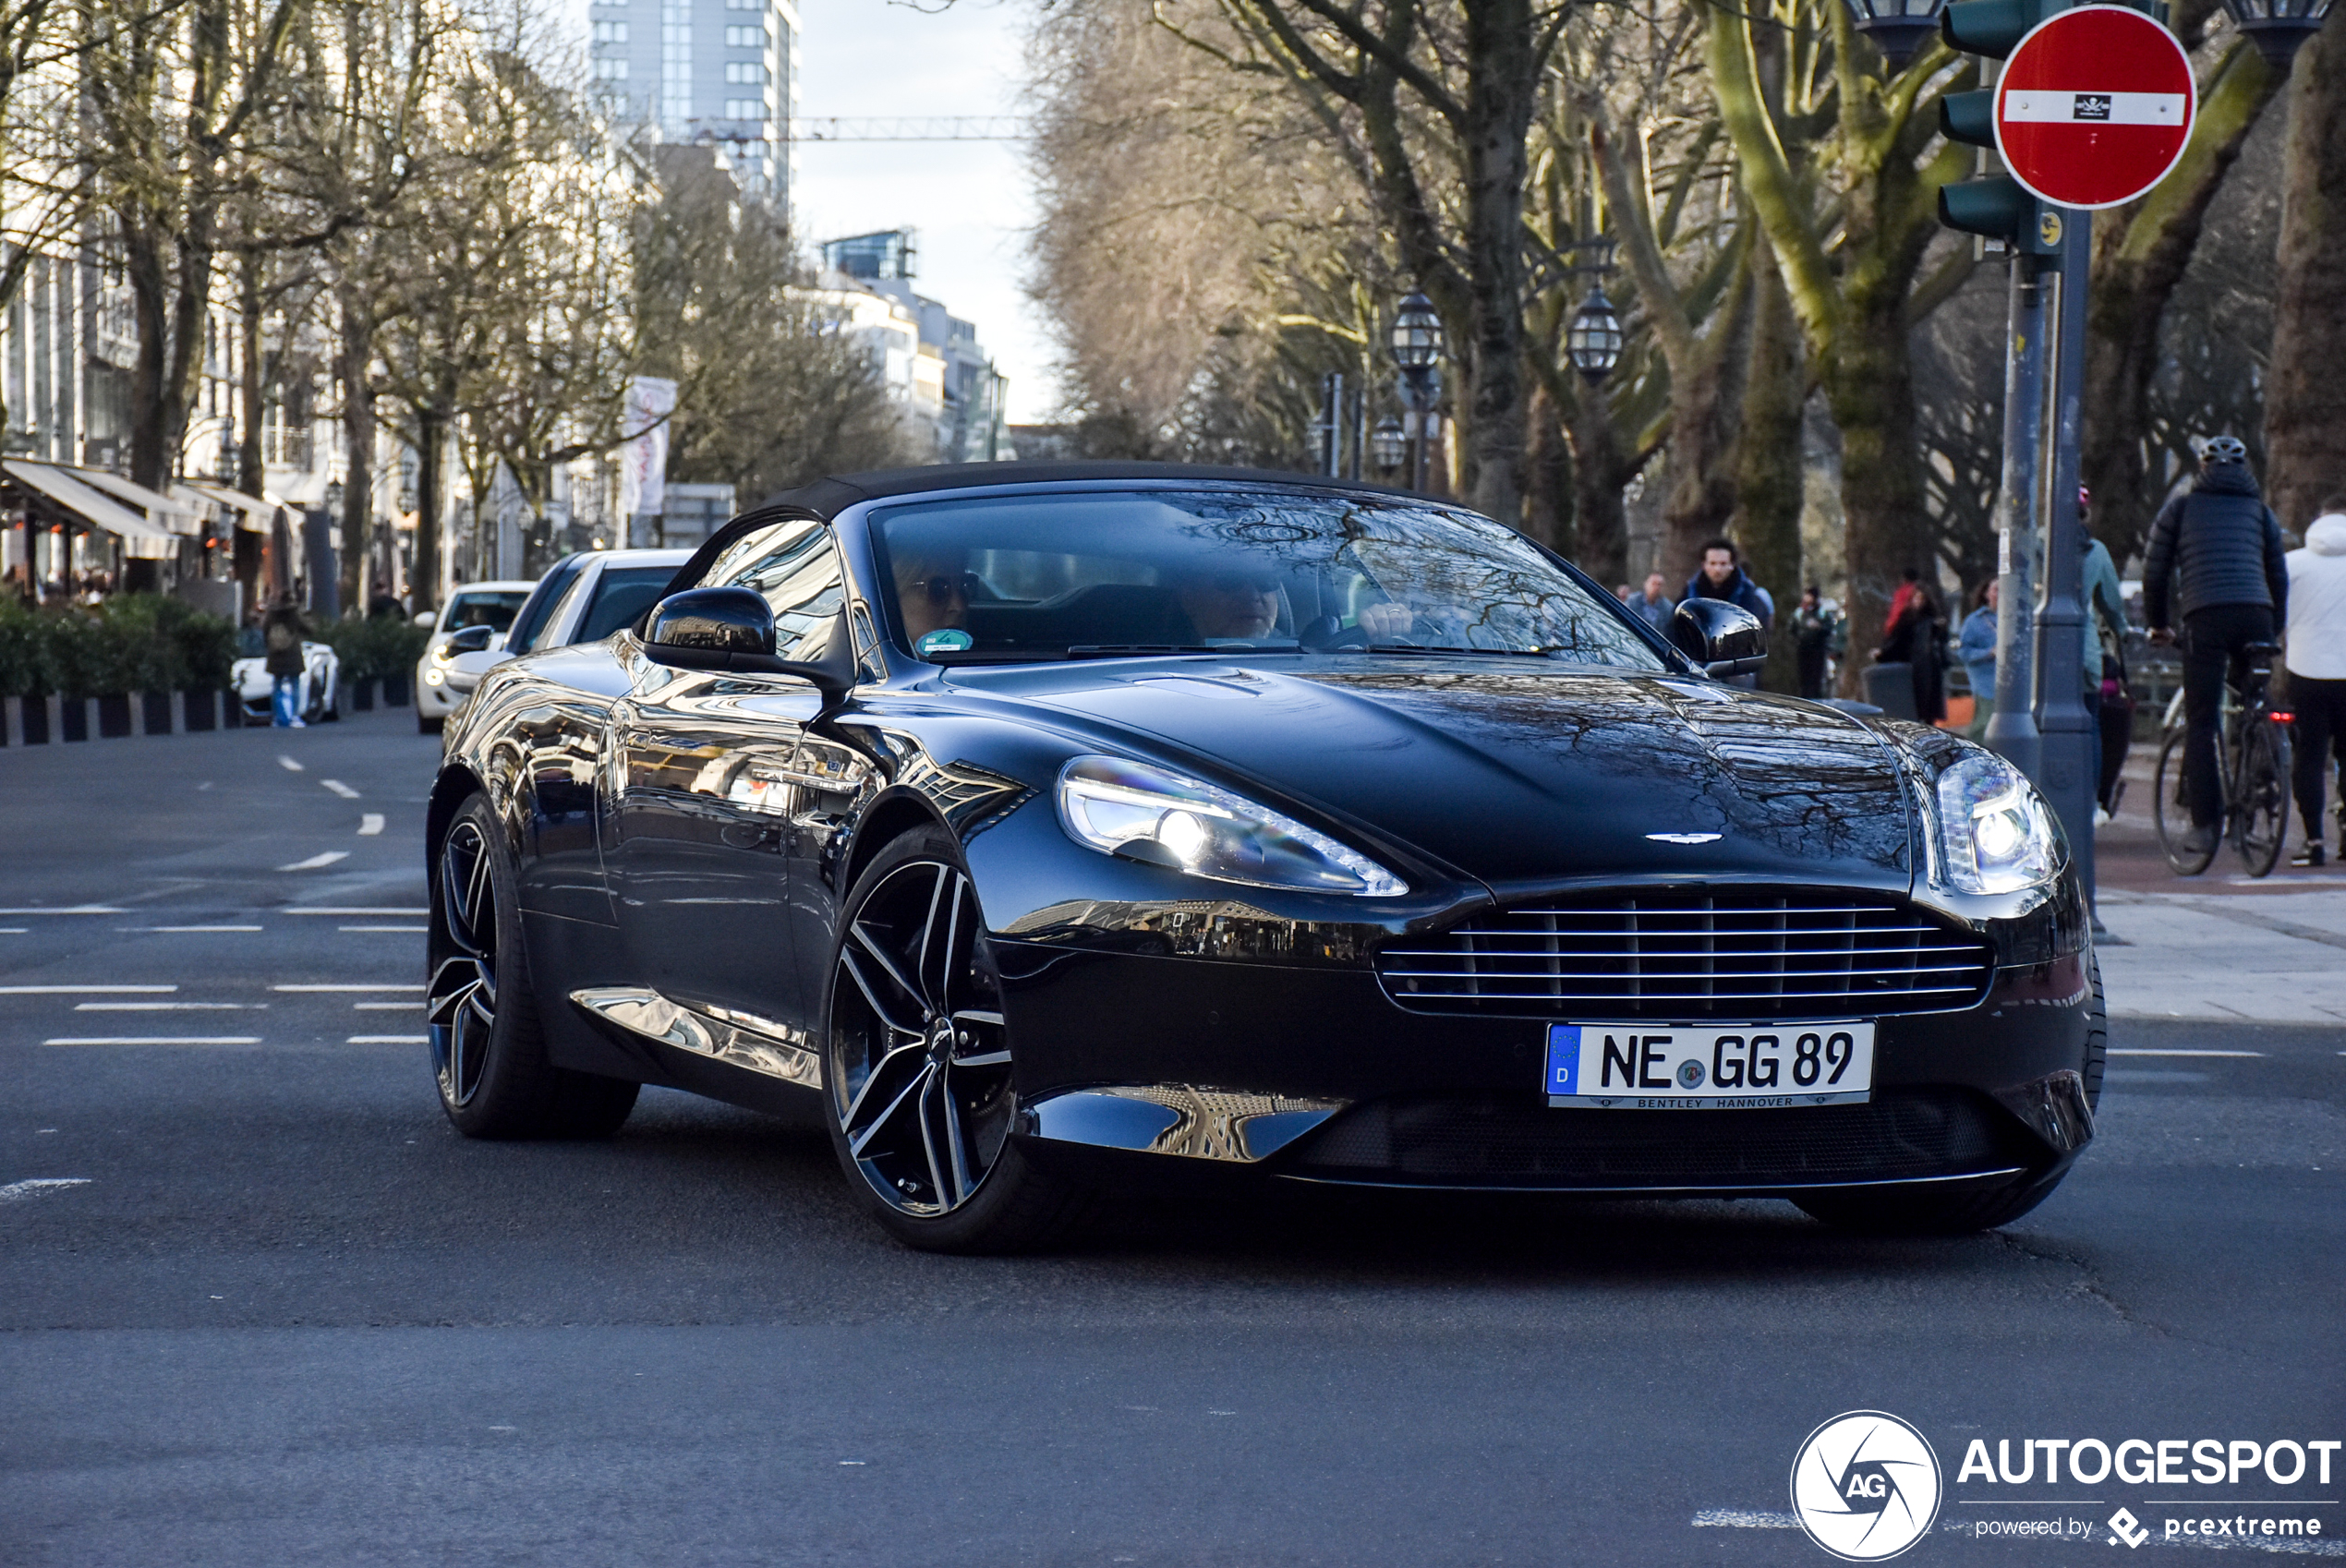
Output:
x=2221 y=544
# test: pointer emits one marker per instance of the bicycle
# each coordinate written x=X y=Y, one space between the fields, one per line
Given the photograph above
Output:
x=2252 y=767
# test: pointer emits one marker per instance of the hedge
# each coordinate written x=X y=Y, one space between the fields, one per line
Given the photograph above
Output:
x=131 y=642
x=378 y=646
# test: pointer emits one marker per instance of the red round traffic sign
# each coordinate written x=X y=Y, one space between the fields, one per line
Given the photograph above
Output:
x=2095 y=106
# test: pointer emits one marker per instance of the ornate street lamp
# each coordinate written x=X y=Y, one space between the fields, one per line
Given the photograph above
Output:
x=2278 y=27
x=1417 y=346
x=1593 y=340
x=1898 y=27
x=1391 y=444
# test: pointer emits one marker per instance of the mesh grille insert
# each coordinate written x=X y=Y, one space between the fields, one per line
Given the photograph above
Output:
x=1690 y=956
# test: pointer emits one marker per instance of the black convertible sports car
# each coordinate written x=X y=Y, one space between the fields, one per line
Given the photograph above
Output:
x=1053 y=824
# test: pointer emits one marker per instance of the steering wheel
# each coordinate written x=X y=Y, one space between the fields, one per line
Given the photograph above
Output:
x=1325 y=631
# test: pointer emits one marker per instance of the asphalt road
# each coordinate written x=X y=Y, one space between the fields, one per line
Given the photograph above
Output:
x=284 y=1315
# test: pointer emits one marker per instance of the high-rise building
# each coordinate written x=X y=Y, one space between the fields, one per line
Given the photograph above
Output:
x=724 y=72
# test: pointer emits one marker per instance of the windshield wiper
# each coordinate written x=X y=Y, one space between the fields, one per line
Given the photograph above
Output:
x=1442 y=648
x=1143 y=650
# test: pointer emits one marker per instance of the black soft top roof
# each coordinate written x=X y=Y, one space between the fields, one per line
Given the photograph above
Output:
x=828 y=498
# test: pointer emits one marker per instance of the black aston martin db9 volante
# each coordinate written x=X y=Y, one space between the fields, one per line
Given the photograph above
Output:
x=1050 y=825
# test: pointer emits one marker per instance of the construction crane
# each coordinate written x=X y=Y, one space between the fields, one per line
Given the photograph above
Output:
x=912 y=127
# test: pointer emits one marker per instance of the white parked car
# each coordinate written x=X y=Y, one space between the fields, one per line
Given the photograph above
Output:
x=583 y=598
x=492 y=605
x=319 y=700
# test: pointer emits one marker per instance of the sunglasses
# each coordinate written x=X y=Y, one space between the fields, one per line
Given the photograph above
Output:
x=945 y=589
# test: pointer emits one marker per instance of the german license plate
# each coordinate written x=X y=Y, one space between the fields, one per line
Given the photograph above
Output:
x=1639 y=1068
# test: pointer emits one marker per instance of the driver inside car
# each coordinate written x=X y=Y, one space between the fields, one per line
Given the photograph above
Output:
x=932 y=592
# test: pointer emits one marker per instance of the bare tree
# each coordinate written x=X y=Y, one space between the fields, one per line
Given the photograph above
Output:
x=2305 y=411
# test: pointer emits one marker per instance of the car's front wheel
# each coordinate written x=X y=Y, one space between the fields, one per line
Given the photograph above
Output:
x=916 y=1064
x=488 y=1045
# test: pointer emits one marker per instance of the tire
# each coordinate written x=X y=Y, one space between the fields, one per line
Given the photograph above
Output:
x=2096 y=1037
x=2172 y=813
x=2260 y=817
x=487 y=1043
x=917 y=1079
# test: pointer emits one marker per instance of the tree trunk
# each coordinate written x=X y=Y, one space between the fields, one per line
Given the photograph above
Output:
x=357 y=352
x=1701 y=471
x=2141 y=252
x=1601 y=467
x=158 y=398
x=1548 y=509
x=431 y=436
x=1768 y=476
x=1502 y=91
x=2305 y=407
x=1869 y=384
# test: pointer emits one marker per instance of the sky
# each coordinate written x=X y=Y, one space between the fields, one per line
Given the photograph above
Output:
x=971 y=201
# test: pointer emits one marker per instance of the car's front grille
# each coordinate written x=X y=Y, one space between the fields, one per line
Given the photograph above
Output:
x=1690 y=956
x=1519 y=1140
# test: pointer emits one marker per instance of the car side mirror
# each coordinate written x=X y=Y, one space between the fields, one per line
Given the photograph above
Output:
x=1725 y=639
x=732 y=629
x=472 y=639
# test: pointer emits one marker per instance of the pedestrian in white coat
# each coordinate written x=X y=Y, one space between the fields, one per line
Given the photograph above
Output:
x=2316 y=664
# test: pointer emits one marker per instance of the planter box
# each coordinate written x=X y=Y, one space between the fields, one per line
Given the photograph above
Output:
x=395 y=690
x=361 y=697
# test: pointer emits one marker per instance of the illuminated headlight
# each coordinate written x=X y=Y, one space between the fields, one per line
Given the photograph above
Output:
x=1149 y=813
x=435 y=677
x=1995 y=833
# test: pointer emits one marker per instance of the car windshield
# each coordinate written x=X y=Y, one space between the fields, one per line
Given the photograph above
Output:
x=622 y=593
x=1002 y=578
x=538 y=612
x=494 y=610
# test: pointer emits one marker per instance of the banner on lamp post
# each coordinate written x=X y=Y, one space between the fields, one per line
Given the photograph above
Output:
x=643 y=467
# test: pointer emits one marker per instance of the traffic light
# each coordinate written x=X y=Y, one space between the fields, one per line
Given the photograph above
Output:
x=1995 y=206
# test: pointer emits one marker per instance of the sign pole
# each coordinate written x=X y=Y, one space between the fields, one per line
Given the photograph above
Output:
x=2011 y=728
x=2063 y=721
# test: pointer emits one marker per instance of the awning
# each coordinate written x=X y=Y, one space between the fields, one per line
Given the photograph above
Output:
x=141 y=538
x=165 y=512
x=252 y=515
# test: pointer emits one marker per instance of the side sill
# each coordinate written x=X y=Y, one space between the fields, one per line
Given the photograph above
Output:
x=758 y=1045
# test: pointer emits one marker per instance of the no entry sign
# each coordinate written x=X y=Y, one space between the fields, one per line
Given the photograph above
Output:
x=2094 y=107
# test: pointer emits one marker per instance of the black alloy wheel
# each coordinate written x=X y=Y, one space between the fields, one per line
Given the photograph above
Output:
x=487 y=1042
x=916 y=1064
x=461 y=1004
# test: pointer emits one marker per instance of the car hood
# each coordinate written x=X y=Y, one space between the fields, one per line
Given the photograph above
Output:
x=1526 y=777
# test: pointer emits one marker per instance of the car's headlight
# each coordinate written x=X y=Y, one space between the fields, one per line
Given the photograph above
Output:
x=1995 y=833
x=1150 y=813
x=435 y=677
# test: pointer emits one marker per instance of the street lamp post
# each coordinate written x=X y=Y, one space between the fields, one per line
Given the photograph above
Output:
x=2277 y=28
x=1898 y=27
x=1392 y=444
x=1417 y=348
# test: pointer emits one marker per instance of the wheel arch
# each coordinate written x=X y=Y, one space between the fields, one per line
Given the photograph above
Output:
x=889 y=818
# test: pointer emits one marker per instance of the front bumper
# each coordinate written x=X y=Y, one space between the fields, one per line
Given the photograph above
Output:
x=1313 y=1073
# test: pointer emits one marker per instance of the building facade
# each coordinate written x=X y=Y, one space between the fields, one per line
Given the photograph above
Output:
x=717 y=71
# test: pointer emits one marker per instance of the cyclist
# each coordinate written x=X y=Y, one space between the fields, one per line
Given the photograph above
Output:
x=2317 y=670
x=2223 y=544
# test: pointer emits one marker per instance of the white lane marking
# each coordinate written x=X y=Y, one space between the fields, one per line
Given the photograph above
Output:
x=191 y=928
x=170 y=1006
x=370 y=823
x=289 y=764
x=339 y=788
x=389 y=1040
x=153 y=1040
x=383 y=928
x=16 y=1191
x=373 y=1007
x=340 y=987
x=348 y=910
x=86 y=990
x=2129 y=1051
x=70 y=909
x=14 y=931
x=314 y=861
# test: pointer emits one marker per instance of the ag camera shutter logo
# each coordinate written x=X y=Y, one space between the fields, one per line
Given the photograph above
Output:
x=1866 y=1486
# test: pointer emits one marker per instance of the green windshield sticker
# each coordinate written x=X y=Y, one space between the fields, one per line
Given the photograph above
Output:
x=945 y=639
